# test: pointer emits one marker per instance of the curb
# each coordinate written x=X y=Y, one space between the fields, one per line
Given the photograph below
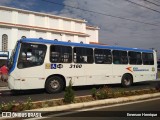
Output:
x=3 y=88
x=95 y=103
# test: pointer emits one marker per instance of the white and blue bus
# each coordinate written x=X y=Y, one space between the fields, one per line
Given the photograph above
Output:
x=51 y=64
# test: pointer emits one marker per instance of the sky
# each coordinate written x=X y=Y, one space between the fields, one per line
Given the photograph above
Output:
x=113 y=31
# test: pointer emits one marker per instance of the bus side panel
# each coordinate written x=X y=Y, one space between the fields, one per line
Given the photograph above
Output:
x=118 y=72
x=98 y=73
x=32 y=77
x=69 y=71
x=13 y=82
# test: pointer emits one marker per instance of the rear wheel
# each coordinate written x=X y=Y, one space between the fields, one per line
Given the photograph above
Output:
x=54 y=84
x=127 y=80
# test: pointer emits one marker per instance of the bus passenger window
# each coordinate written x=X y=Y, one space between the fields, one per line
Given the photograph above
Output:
x=83 y=55
x=120 y=57
x=148 y=58
x=60 y=54
x=102 y=56
x=134 y=58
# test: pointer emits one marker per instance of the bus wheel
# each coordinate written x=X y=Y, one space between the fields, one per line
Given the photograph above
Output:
x=54 y=84
x=126 y=80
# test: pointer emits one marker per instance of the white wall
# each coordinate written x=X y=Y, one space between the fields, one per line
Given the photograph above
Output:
x=53 y=23
x=5 y=16
x=23 y=18
x=70 y=37
x=93 y=35
x=23 y=32
x=17 y=23
x=39 y=21
x=81 y=39
x=40 y=34
x=66 y=25
x=78 y=27
x=56 y=36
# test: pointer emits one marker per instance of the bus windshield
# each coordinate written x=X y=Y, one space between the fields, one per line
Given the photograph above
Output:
x=11 y=60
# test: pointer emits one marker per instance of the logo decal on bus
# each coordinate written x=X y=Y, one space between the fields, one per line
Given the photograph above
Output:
x=55 y=66
x=129 y=68
x=47 y=66
x=136 y=69
x=153 y=69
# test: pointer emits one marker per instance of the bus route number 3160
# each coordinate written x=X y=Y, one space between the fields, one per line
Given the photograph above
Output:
x=75 y=66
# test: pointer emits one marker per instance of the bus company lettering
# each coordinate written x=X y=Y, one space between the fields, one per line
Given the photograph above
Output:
x=138 y=69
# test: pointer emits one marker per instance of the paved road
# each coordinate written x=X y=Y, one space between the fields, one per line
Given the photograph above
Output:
x=37 y=95
x=122 y=111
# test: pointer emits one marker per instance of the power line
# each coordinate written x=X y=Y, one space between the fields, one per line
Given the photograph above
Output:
x=109 y=15
x=143 y=6
x=156 y=1
x=151 y=2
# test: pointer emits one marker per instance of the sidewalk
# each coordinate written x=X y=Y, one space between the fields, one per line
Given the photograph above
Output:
x=3 y=86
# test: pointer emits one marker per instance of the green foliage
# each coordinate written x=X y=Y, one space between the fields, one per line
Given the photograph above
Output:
x=94 y=92
x=103 y=93
x=7 y=106
x=28 y=105
x=69 y=93
x=12 y=106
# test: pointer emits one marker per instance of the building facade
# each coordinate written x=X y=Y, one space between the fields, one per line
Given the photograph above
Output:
x=17 y=23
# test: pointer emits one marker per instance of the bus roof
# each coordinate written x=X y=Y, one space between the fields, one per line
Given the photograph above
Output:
x=55 y=42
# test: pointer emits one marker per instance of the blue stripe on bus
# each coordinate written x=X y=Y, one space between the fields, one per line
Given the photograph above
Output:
x=45 y=41
x=15 y=58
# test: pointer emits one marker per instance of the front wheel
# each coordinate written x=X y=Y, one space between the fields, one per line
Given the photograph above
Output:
x=54 y=84
x=127 y=80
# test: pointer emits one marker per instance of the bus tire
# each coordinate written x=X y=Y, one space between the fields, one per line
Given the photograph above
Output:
x=54 y=84
x=127 y=80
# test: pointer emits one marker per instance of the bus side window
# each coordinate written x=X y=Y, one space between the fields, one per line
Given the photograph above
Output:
x=120 y=57
x=134 y=58
x=148 y=58
x=60 y=54
x=83 y=55
x=116 y=57
x=102 y=56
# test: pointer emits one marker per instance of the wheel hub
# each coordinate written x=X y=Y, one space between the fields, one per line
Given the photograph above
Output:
x=54 y=84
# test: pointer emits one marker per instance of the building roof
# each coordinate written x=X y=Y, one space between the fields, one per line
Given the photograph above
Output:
x=42 y=14
x=92 y=27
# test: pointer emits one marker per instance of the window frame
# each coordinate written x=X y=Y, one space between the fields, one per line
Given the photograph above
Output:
x=141 y=62
x=33 y=64
x=119 y=57
x=150 y=62
x=104 y=55
x=4 y=42
x=70 y=55
x=83 y=56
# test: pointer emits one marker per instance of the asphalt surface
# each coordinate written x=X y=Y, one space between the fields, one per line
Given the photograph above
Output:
x=40 y=94
x=144 y=109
